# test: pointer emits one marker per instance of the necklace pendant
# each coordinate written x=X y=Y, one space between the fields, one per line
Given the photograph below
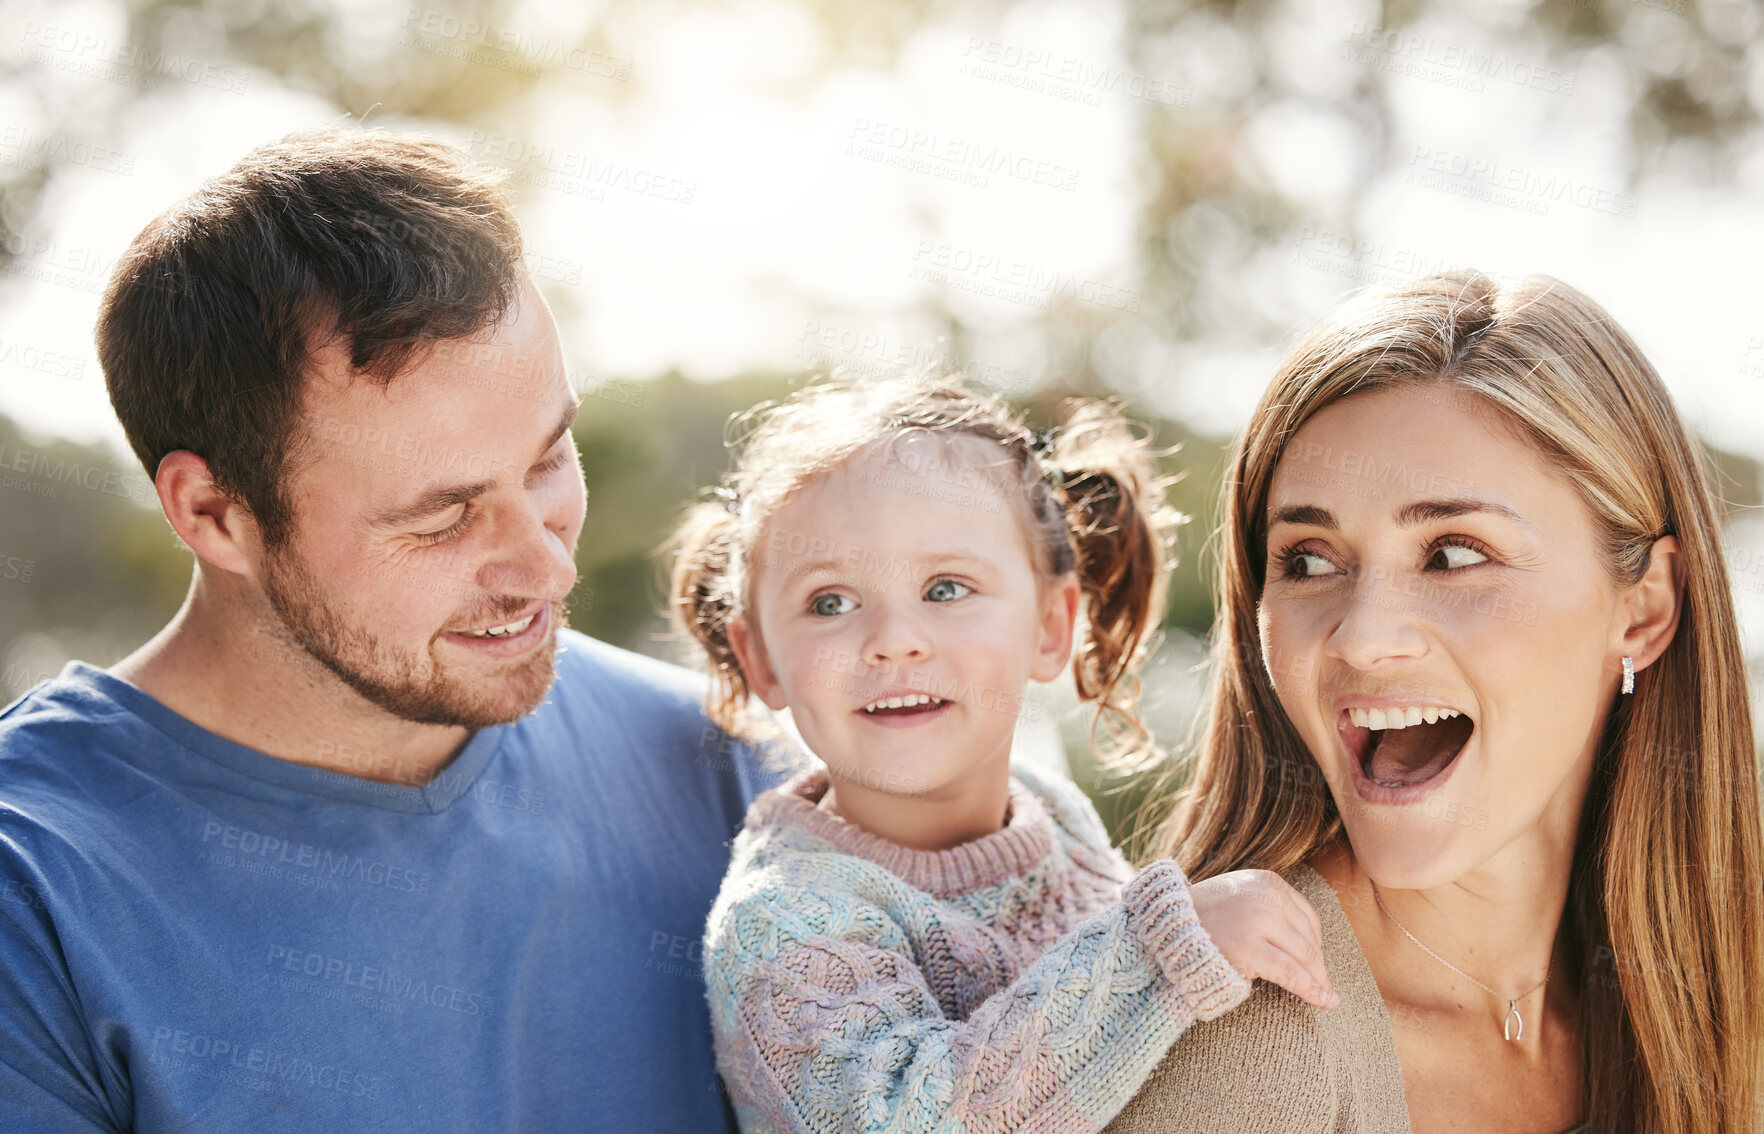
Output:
x=1508 y=1032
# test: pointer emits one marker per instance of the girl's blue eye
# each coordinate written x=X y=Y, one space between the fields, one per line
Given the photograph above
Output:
x=944 y=590
x=828 y=605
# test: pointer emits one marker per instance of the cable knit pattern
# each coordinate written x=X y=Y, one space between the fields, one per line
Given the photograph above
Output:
x=1006 y=984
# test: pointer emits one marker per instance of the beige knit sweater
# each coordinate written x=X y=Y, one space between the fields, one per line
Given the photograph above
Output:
x=1280 y=1066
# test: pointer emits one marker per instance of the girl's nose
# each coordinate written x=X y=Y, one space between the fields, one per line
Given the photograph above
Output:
x=893 y=637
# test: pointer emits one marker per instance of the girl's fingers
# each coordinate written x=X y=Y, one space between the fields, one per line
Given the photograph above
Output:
x=1306 y=930
x=1289 y=944
x=1279 y=967
x=1310 y=915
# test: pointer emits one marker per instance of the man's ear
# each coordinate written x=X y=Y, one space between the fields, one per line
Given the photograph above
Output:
x=1650 y=608
x=219 y=529
x=750 y=651
x=1059 y=610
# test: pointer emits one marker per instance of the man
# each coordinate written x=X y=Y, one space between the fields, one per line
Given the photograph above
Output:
x=365 y=839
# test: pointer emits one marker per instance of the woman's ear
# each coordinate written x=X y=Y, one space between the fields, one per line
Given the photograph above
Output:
x=1059 y=611
x=750 y=651
x=1650 y=608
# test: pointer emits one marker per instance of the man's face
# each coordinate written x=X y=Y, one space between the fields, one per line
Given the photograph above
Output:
x=430 y=512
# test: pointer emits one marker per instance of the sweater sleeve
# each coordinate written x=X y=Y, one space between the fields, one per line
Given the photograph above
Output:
x=824 y=1022
x=1268 y=1070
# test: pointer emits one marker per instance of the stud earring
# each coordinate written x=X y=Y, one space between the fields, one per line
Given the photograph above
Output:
x=1628 y=675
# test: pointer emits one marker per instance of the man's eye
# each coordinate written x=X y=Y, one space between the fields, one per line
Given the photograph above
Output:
x=556 y=462
x=829 y=605
x=447 y=532
x=947 y=590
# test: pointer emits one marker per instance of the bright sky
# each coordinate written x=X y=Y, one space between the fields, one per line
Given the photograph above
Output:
x=779 y=230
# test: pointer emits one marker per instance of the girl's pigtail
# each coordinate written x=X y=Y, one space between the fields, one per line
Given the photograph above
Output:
x=702 y=601
x=1123 y=534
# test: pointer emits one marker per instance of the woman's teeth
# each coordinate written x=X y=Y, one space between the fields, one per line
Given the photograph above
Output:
x=504 y=630
x=907 y=702
x=1400 y=717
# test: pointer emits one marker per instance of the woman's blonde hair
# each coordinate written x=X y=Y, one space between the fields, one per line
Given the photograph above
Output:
x=1088 y=494
x=1663 y=906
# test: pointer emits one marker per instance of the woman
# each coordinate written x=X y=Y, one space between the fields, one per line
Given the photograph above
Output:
x=1479 y=695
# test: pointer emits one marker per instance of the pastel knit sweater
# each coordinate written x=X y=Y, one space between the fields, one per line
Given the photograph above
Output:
x=1007 y=984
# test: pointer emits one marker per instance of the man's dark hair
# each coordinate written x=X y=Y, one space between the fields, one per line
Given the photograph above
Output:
x=381 y=242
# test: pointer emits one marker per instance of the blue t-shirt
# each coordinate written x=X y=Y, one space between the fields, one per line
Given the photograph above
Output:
x=197 y=936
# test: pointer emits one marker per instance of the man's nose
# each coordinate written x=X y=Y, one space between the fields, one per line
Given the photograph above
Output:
x=533 y=558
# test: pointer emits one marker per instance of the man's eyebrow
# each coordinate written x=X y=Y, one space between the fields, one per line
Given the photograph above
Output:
x=1408 y=516
x=437 y=499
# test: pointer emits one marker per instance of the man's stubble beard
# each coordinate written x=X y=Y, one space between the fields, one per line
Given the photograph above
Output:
x=410 y=686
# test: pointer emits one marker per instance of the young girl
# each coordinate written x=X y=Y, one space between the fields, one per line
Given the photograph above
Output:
x=920 y=935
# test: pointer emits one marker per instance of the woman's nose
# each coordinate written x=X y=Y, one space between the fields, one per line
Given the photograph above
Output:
x=1378 y=625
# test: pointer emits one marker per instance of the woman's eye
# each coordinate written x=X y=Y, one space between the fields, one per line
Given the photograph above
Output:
x=1456 y=556
x=1308 y=566
x=828 y=605
x=947 y=590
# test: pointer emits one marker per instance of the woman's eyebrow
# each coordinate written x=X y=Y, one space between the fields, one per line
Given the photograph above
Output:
x=1426 y=511
x=1408 y=516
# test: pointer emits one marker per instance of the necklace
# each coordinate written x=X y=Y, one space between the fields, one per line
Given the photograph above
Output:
x=1512 y=1018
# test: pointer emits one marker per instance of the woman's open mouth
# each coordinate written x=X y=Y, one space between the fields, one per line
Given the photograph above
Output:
x=1400 y=752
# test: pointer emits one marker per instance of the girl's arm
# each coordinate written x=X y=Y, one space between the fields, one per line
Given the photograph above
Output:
x=824 y=1021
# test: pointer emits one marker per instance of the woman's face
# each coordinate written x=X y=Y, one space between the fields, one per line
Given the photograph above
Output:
x=1424 y=561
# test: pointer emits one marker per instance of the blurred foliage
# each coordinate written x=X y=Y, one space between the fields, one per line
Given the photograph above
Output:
x=106 y=571
x=1212 y=210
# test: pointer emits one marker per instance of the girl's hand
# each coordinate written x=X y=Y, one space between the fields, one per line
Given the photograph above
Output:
x=1266 y=929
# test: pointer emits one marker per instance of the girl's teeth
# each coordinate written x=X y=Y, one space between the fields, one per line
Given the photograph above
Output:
x=1402 y=717
x=906 y=702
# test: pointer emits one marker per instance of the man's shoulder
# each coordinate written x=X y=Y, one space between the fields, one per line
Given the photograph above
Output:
x=590 y=667
x=60 y=718
x=603 y=687
x=645 y=700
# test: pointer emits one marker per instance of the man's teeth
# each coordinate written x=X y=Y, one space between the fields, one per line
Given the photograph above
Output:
x=906 y=702
x=1401 y=717
x=504 y=630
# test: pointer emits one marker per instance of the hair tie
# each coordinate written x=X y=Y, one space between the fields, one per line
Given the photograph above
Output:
x=731 y=499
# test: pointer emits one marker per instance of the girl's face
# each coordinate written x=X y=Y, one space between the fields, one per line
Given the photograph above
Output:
x=1421 y=560
x=896 y=609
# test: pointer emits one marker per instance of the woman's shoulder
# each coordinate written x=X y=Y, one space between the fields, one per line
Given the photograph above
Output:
x=1276 y=1063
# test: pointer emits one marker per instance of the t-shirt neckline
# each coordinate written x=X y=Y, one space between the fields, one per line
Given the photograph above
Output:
x=446 y=787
